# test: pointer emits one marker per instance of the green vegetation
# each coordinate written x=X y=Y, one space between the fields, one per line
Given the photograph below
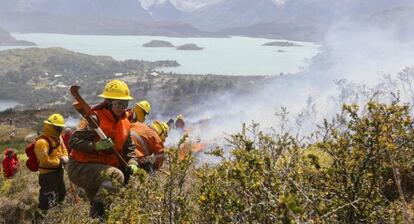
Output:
x=13 y=137
x=177 y=93
x=282 y=44
x=189 y=47
x=158 y=43
x=40 y=78
x=36 y=77
x=357 y=168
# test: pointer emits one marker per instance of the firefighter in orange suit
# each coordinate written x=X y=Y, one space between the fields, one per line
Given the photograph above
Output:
x=149 y=144
x=92 y=166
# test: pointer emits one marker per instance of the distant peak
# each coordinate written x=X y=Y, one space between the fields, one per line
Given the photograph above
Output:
x=146 y=4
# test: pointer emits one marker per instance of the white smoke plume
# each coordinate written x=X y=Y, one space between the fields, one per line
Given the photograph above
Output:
x=357 y=59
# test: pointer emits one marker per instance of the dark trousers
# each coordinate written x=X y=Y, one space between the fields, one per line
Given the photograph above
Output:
x=52 y=189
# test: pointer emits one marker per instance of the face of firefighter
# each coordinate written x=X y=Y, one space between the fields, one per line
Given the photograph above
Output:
x=118 y=107
x=51 y=130
x=179 y=124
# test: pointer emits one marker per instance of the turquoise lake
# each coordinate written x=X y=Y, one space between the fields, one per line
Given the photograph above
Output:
x=220 y=56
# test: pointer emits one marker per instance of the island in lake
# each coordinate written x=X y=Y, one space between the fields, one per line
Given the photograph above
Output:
x=158 y=43
x=282 y=44
x=189 y=47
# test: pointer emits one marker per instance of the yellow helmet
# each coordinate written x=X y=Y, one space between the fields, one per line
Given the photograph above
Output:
x=145 y=105
x=116 y=89
x=55 y=120
x=180 y=117
x=161 y=128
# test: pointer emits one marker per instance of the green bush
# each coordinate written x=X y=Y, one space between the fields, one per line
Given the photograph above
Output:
x=357 y=169
x=360 y=169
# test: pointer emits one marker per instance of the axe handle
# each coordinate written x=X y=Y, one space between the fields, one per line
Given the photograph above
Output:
x=83 y=108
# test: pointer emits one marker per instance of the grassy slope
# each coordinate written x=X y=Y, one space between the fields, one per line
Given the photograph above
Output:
x=345 y=176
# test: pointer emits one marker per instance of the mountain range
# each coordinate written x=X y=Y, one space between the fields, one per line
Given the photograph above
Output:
x=8 y=40
x=297 y=19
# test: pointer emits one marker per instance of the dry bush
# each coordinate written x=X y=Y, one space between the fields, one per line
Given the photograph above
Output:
x=18 y=197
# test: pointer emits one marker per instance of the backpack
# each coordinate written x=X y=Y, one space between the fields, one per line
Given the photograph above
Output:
x=31 y=162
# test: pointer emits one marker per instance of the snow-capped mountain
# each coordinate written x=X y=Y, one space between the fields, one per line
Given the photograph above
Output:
x=183 y=5
x=165 y=11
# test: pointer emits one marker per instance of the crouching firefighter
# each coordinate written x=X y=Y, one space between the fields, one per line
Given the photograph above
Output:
x=101 y=165
x=149 y=144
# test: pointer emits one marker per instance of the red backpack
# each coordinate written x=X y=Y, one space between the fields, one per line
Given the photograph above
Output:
x=32 y=162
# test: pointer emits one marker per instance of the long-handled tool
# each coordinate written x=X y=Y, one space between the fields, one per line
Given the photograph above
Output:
x=84 y=109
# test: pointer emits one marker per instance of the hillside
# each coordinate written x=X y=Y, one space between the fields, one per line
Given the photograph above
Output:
x=8 y=40
x=108 y=17
x=359 y=171
x=297 y=20
x=39 y=78
x=396 y=19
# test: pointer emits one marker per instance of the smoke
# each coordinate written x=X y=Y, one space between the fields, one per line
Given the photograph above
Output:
x=358 y=58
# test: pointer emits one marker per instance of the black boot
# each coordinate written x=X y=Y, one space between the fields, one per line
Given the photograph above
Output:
x=97 y=210
x=39 y=216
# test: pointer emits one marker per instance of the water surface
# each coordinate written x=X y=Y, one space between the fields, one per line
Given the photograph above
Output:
x=227 y=56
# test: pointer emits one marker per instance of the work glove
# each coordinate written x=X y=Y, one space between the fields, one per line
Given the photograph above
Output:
x=104 y=144
x=133 y=169
x=64 y=160
x=129 y=171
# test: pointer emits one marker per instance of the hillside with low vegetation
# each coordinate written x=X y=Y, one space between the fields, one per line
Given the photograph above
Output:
x=356 y=168
x=40 y=78
x=8 y=40
x=158 y=43
x=281 y=44
x=189 y=47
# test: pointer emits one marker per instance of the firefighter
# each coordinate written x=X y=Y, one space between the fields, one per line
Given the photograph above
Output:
x=149 y=144
x=52 y=156
x=179 y=123
x=10 y=163
x=92 y=166
x=140 y=112
x=170 y=123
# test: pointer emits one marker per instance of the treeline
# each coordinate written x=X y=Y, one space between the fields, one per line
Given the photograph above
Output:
x=175 y=94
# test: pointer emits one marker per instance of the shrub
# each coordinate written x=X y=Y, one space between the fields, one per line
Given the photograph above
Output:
x=357 y=169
